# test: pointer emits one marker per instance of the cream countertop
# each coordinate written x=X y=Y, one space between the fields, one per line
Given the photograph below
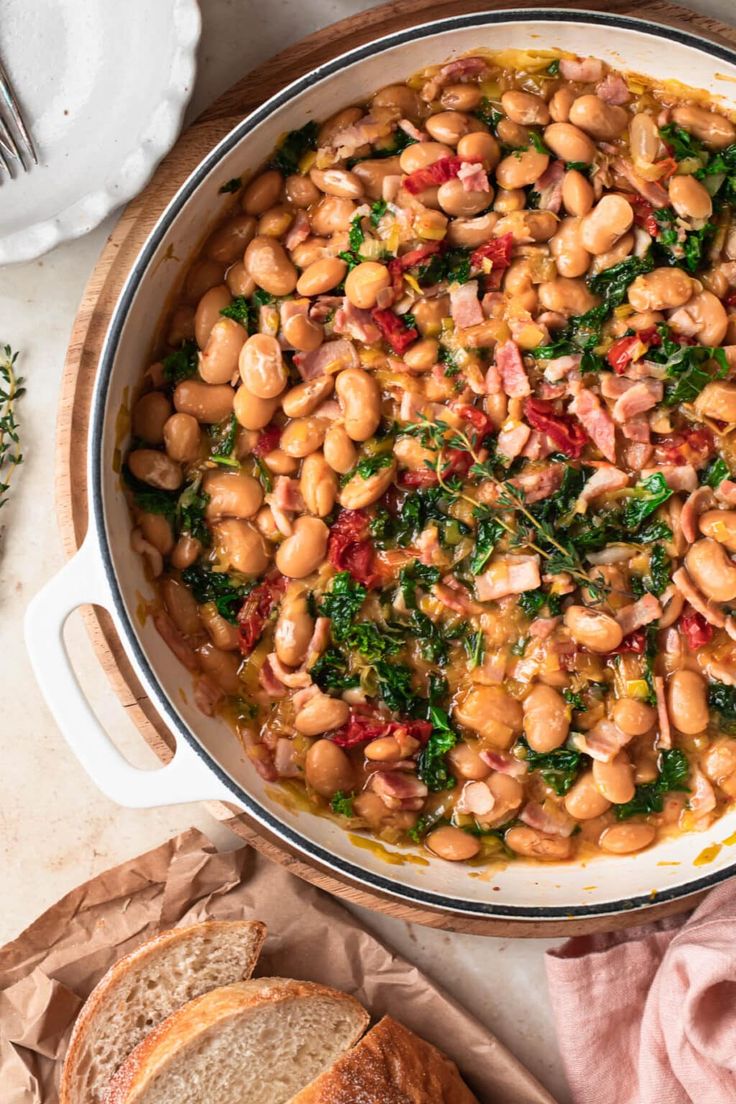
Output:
x=57 y=829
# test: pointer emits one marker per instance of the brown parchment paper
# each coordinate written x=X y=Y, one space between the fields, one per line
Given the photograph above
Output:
x=48 y=971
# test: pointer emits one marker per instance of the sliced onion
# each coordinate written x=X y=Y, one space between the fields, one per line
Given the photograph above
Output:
x=612 y=553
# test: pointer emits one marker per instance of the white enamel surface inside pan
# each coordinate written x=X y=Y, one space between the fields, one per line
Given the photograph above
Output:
x=209 y=762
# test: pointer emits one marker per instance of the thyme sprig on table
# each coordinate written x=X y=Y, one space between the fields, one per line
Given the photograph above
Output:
x=11 y=389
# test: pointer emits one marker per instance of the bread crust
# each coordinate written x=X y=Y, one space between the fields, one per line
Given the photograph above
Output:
x=200 y=1016
x=390 y=1065
x=107 y=987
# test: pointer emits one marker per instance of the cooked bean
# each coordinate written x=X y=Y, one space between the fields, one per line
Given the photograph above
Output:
x=337 y=122
x=422 y=355
x=633 y=717
x=365 y=282
x=622 y=839
x=321 y=276
x=360 y=400
x=318 y=484
x=327 y=767
x=339 y=450
x=461 y=97
x=569 y=297
x=560 y=104
x=661 y=289
x=251 y=411
x=712 y=129
x=452 y=844
x=717 y=400
x=262 y=367
x=359 y=492
x=181 y=606
x=520 y=169
x=615 y=780
x=238 y=281
x=332 y=214
x=687 y=702
x=421 y=155
x=181 y=325
x=208 y=312
x=577 y=193
x=526 y=108
x=704 y=317
x=373 y=173
x=535 y=845
x=303 y=552
x=467 y=763
x=266 y=525
x=546 y=718
x=644 y=137
x=527 y=226
x=492 y=713
x=204 y=275
x=400 y=96
x=223 y=634
x=472 y=232
x=187 y=551
x=611 y=217
x=275 y=222
x=569 y=143
x=513 y=134
x=614 y=256
x=309 y=251
x=294 y=627
x=596 y=631
x=304 y=399
x=278 y=462
x=450 y=126
x=456 y=200
x=301 y=332
x=429 y=314
x=150 y=415
x=182 y=437
x=156 y=529
x=219 y=361
x=301 y=191
x=479 y=147
x=566 y=247
x=689 y=198
x=712 y=570
x=231 y=494
x=262 y=192
x=337 y=182
x=720 y=525
x=267 y=262
x=320 y=714
x=228 y=243
x=602 y=120
x=220 y=666
x=239 y=547
x=584 y=801
x=303 y=435
x=508 y=794
x=155 y=468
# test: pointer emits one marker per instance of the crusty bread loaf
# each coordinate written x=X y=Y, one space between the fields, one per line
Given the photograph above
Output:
x=145 y=987
x=254 y=1042
x=390 y=1065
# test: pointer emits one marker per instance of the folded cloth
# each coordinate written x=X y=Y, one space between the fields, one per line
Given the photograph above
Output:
x=648 y=1015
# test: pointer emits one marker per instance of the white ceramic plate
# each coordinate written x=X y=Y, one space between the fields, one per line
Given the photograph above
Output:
x=103 y=87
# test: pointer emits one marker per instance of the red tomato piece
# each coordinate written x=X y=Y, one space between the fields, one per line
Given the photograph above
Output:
x=635 y=643
x=438 y=173
x=363 y=727
x=256 y=610
x=396 y=332
x=567 y=434
x=497 y=249
x=268 y=440
x=350 y=548
x=696 y=630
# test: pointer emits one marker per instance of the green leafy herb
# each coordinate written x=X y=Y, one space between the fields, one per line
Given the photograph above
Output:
x=575 y=700
x=532 y=602
x=676 y=245
x=228 y=592
x=415 y=574
x=239 y=310
x=342 y=603
x=262 y=298
x=432 y=764
x=447 y=357
x=488 y=114
x=535 y=138
x=342 y=804
x=356 y=236
x=428 y=634
x=722 y=699
x=690 y=367
x=223 y=443
x=578 y=166
x=150 y=499
x=553 y=68
x=331 y=672
x=657 y=578
x=231 y=185
x=648 y=798
x=11 y=389
x=452 y=266
x=487 y=535
x=714 y=474
x=399 y=141
x=264 y=475
x=395 y=687
x=475 y=647
x=190 y=513
x=368 y=466
x=647 y=496
x=294 y=146
x=378 y=210
x=681 y=143
x=182 y=364
x=559 y=768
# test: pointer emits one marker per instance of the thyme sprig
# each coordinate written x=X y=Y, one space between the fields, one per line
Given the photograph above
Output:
x=11 y=389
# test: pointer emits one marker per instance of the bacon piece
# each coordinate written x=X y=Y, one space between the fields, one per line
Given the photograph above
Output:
x=356 y=323
x=323 y=306
x=299 y=231
x=637 y=429
x=560 y=367
x=604 y=479
x=549 y=187
x=492 y=671
x=653 y=192
x=412 y=403
x=363 y=133
x=637 y=455
x=328 y=359
x=476 y=799
x=664 y=740
x=602 y=742
x=638 y=614
x=413 y=131
x=552 y=824
x=504 y=763
x=511 y=441
x=428 y=545
x=460 y=71
x=612 y=90
x=455 y=596
x=538 y=484
x=284 y=760
x=596 y=422
x=508 y=575
x=398 y=790
x=587 y=70
x=168 y=631
x=270 y=681
x=538 y=447
x=712 y=613
x=613 y=387
x=286 y=495
x=473 y=177
x=318 y=641
x=726 y=492
x=678 y=477
x=550 y=392
x=465 y=307
x=513 y=374
x=696 y=504
x=637 y=399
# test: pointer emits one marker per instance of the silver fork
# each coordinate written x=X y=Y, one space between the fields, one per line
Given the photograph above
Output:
x=20 y=148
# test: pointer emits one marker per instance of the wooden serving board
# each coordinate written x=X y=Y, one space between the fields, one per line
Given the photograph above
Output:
x=88 y=332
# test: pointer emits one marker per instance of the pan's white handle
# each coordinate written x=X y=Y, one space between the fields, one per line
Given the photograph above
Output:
x=186 y=778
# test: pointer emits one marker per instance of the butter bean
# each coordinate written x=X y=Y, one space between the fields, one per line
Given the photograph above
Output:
x=714 y=130
x=150 y=415
x=360 y=400
x=251 y=411
x=321 y=276
x=569 y=143
x=594 y=630
x=231 y=494
x=535 y=845
x=546 y=718
x=633 y=717
x=339 y=451
x=262 y=192
x=712 y=570
x=262 y=367
x=518 y=170
x=359 y=492
x=239 y=547
x=155 y=468
x=303 y=552
x=602 y=120
x=219 y=361
x=452 y=844
x=267 y=262
x=208 y=312
x=611 y=217
x=615 y=780
x=318 y=484
x=687 y=702
x=584 y=801
x=622 y=839
x=327 y=768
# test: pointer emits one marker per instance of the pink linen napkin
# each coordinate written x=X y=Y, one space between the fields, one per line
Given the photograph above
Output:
x=648 y=1015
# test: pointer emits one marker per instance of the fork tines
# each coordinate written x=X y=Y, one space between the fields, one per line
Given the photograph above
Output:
x=16 y=142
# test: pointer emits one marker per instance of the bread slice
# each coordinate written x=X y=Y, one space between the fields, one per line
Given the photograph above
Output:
x=145 y=987
x=255 y=1042
x=390 y=1065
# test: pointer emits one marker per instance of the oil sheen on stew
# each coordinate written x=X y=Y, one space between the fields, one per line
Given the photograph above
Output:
x=436 y=471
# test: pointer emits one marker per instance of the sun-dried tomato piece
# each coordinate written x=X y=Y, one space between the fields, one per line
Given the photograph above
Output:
x=696 y=630
x=498 y=250
x=438 y=173
x=350 y=548
x=256 y=610
x=567 y=434
x=394 y=329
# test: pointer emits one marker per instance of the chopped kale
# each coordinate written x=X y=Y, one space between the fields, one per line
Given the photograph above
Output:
x=261 y=298
x=532 y=602
x=647 y=496
x=475 y=648
x=487 y=535
x=228 y=592
x=240 y=311
x=648 y=798
x=223 y=437
x=689 y=367
x=415 y=574
x=536 y=141
x=190 y=513
x=331 y=672
x=681 y=143
x=553 y=68
x=657 y=578
x=378 y=210
x=432 y=764
x=451 y=265
x=676 y=246
x=722 y=700
x=342 y=804
x=488 y=114
x=231 y=185
x=182 y=364
x=342 y=603
x=294 y=146
x=428 y=634
x=395 y=687
x=575 y=700
x=715 y=472
x=559 y=768
x=368 y=466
